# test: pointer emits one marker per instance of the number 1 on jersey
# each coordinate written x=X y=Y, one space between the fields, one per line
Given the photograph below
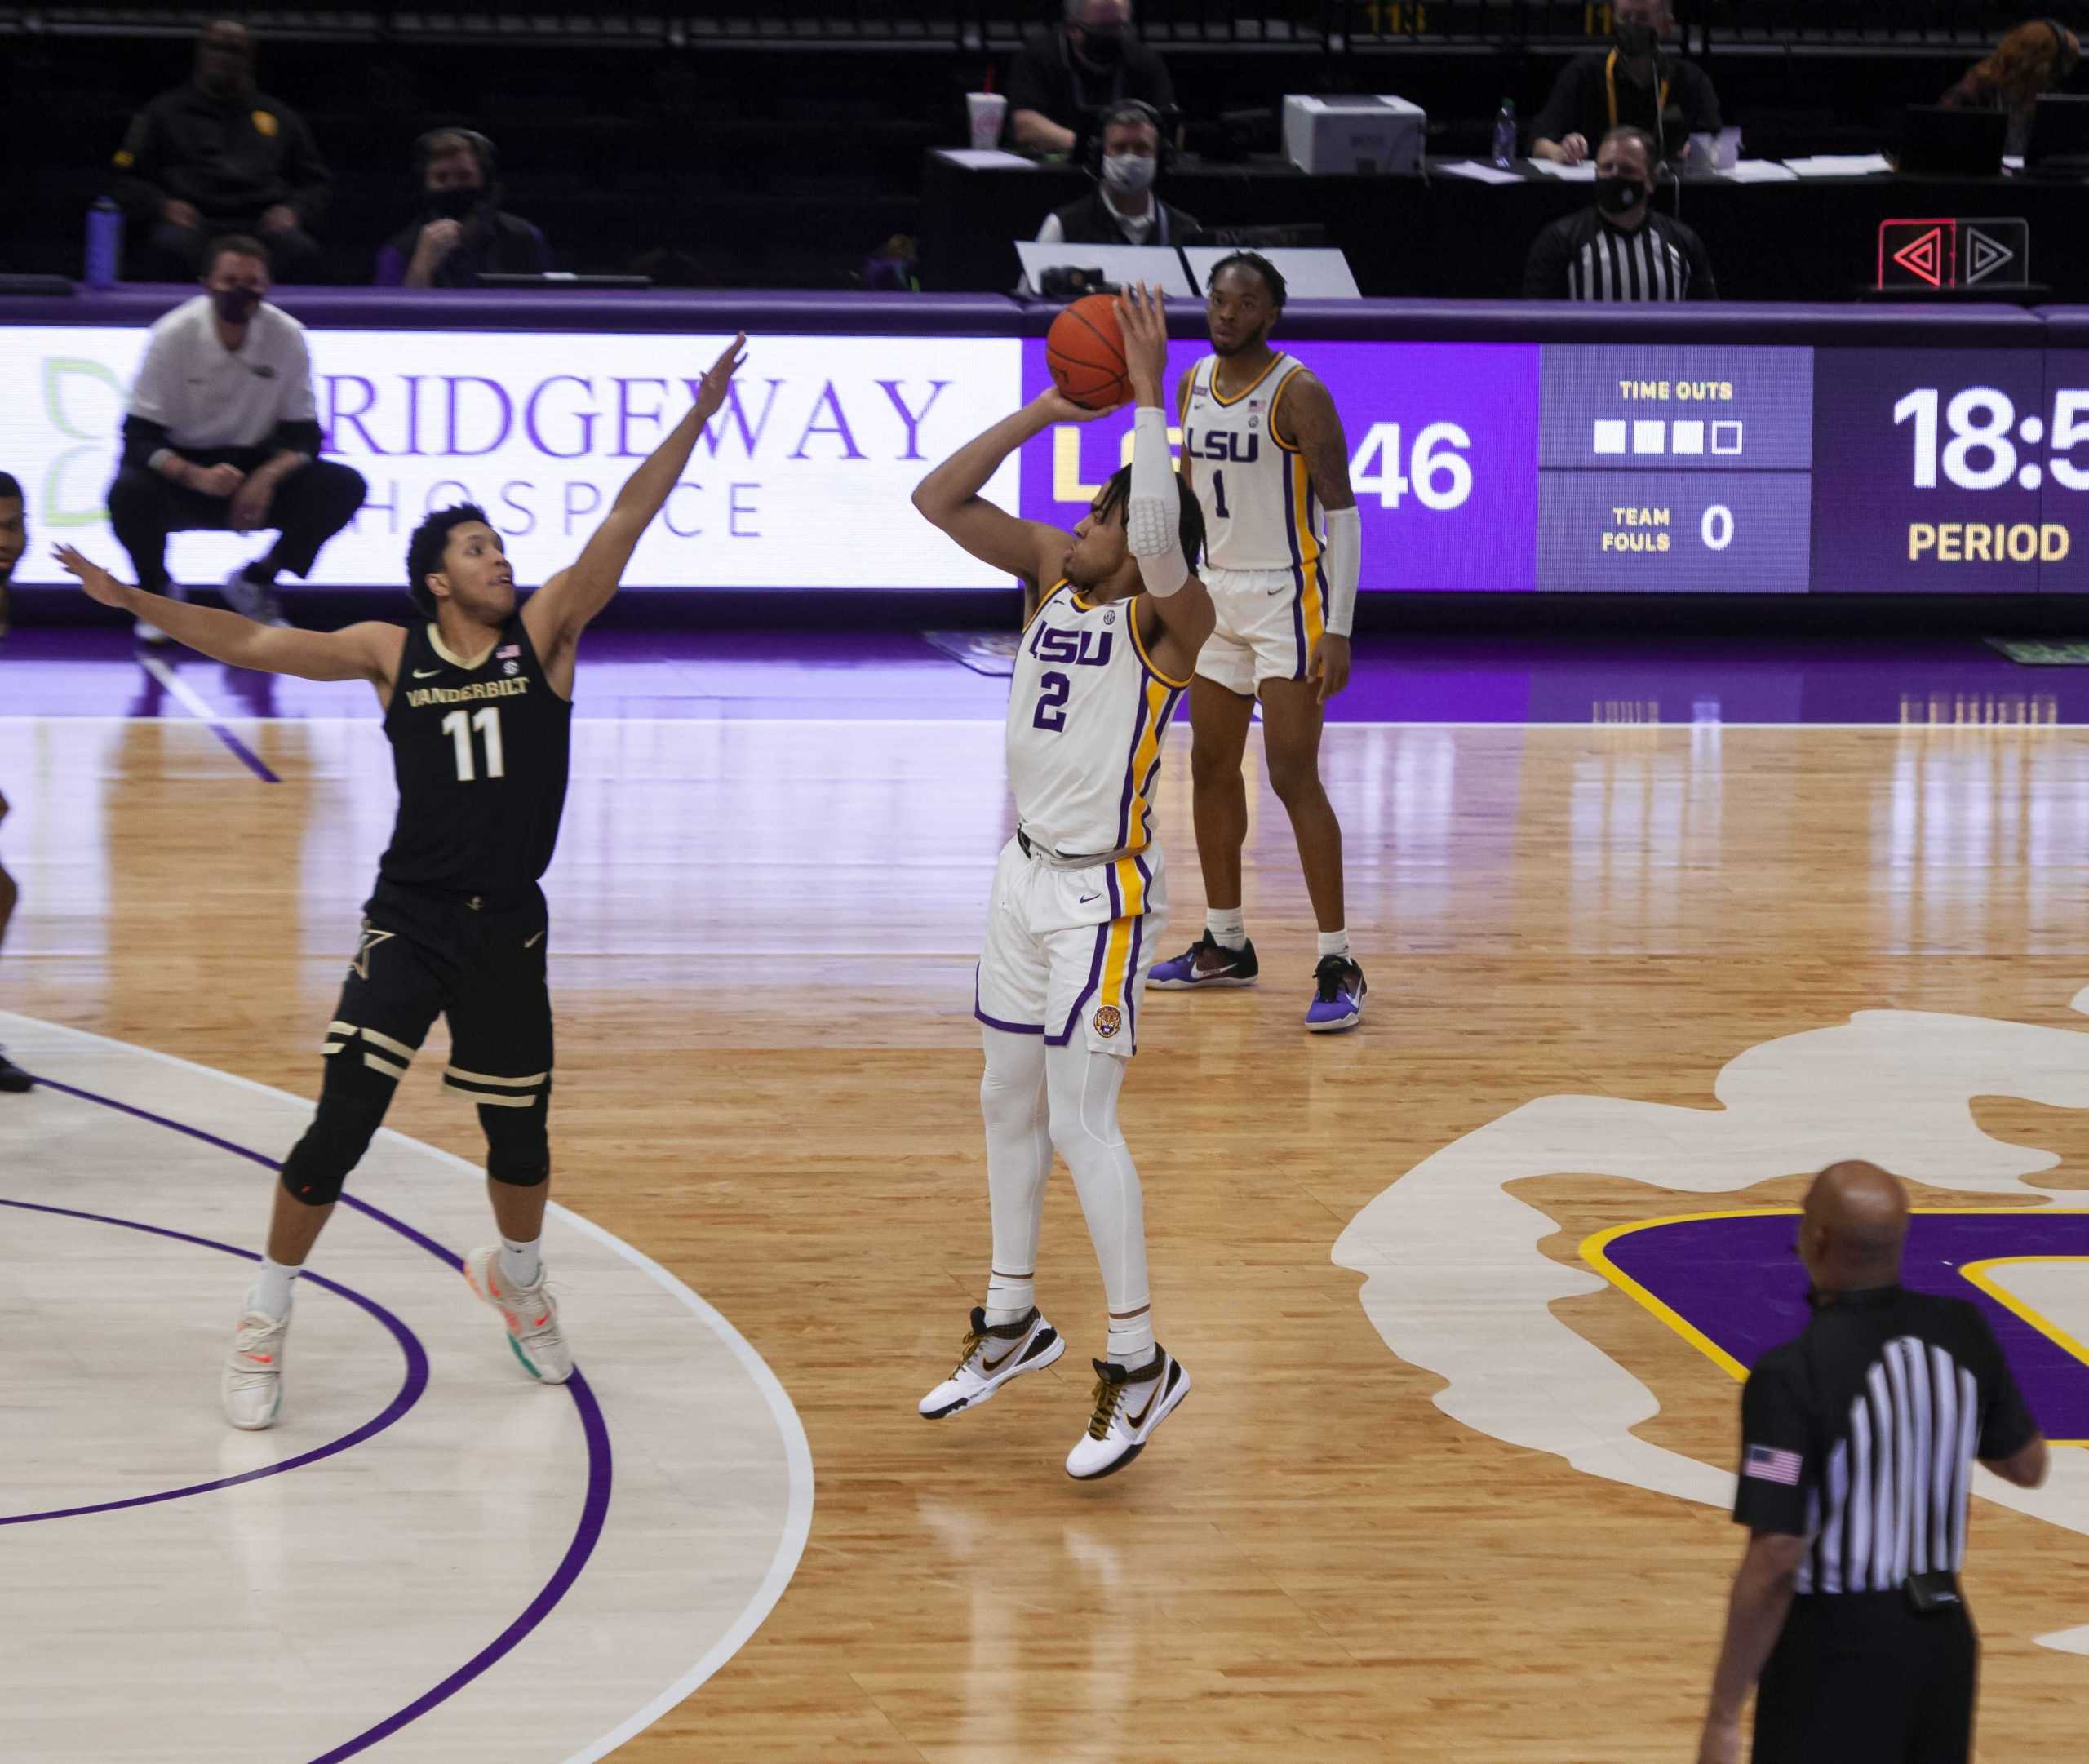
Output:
x=458 y=726
x=1218 y=495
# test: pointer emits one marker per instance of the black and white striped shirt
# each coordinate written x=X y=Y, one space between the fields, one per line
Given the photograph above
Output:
x=1583 y=257
x=1861 y=1436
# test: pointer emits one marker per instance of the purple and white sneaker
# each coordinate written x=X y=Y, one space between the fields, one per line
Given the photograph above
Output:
x=1206 y=963
x=1338 y=990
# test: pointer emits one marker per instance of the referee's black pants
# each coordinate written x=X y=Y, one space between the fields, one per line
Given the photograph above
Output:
x=1860 y=1678
x=309 y=507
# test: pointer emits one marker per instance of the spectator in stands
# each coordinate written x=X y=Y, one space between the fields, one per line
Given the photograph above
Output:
x=2033 y=58
x=215 y=156
x=1125 y=208
x=13 y=541
x=1635 y=83
x=1091 y=59
x=462 y=228
x=223 y=433
x=1620 y=249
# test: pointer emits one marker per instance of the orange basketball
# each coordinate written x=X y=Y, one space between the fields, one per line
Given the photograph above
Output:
x=1085 y=351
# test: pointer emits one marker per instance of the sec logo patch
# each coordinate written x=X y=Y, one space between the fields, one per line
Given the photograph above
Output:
x=1108 y=1020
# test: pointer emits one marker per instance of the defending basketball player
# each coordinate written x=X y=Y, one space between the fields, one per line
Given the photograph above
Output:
x=477 y=699
x=14 y=540
x=1080 y=895
x=1262 y=446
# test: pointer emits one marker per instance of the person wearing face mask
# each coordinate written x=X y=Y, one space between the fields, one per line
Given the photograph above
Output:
x=1635 y=83
x=215 y=156
x=222 y=432
x=1125 y=208
x=462 y=230
x=1089 y=62
x=1620 y=249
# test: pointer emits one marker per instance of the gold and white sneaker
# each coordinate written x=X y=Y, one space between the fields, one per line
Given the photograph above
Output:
x=530 y=1313
x=1129 y=1406
x=251 y=1387
x=990 y=1358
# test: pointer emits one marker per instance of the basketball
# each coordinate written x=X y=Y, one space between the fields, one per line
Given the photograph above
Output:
x=1085 y=351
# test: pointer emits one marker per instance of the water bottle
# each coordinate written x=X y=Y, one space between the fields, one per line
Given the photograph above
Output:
x=104 y=243
x=1505 y=135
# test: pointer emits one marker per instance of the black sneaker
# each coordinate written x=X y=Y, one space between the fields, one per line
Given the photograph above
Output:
x=12 y=1077
x=1338 y=991
x=1206 y=963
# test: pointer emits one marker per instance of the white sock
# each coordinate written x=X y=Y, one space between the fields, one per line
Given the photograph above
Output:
x=1018 y=1164
x=1131 y=1342
x=520 y=1264
x=1227 y=929
x=271 y=1292
x=1083 y=1087
x=1334 y=943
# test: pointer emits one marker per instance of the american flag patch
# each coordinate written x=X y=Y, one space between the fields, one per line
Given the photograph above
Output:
x=512 y=652
x=1769 y=1464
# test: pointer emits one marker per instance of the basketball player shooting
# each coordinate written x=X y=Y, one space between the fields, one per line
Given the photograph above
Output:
x=477 y=701
x=1080 y=895
x=1262 y=446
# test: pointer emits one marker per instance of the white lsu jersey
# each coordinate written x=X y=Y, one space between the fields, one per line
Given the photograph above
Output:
x=1260 y=512
x=1088 y=711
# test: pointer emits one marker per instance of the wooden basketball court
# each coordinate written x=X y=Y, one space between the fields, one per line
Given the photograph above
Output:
x=763 y=932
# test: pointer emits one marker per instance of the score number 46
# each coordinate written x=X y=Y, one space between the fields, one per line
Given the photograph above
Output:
x=1980 y=419
x=1439 y=475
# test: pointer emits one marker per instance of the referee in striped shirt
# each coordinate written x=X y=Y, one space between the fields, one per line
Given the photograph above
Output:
x=1857 y=1448
x=1620 y=249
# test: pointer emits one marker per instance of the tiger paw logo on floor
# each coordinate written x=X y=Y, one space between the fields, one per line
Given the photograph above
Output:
x=1453 y=1238
x=1108 y=1020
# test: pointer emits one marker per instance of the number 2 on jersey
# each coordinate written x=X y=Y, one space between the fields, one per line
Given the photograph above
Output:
x=1050 y=713
x=487 y=721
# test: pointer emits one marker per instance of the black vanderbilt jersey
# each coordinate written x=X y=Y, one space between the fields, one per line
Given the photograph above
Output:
x=479 y=754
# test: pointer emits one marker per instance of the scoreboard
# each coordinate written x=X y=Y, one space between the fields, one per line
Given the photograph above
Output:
x=1686 y=468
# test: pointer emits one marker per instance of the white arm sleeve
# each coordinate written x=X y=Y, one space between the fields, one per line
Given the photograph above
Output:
x=1153 y=516
x=1343 y=563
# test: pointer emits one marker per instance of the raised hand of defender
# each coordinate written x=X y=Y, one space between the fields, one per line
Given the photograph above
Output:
x=1142 y=318
x=710 y=391
x=99 y=584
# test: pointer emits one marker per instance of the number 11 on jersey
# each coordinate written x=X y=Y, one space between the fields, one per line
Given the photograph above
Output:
x=458 y=726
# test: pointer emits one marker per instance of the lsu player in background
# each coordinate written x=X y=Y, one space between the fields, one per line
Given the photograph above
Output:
x=1080 y=895
x=1262 y=446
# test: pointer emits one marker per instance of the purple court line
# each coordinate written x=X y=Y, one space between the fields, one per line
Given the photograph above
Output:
x=594 y=1507
x=409 y=1393
x=199 y=707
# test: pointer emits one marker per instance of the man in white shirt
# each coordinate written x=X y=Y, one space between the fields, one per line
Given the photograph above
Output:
x=223 y=433
x=1124 y=208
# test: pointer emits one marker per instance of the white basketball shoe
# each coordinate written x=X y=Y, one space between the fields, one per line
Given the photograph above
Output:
x=990 y=1358
x=252 y=1385
x=530 y=1313
x=1129 y=1406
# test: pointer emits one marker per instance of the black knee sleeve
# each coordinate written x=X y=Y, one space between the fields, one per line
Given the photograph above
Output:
x=518 y=1143
x=352 y=1106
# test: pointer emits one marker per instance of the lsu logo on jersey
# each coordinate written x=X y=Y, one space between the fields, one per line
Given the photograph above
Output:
x=1222 y=447
x=1072 y=649
x=1108 y=1020
x=1457 y=1232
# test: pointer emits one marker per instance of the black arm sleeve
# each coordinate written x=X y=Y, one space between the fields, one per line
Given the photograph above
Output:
x=136 y=188
x=1775 y=1439
x=2005 y=1423
x=143 y=438
x=1561 y=115
x=1030 y=83
x=1545 y=270
x=1701 y=102
x=311 y=183
x=1702 y=285
x=296 y=436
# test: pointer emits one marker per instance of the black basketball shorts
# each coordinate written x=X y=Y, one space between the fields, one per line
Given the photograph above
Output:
x=477 y=961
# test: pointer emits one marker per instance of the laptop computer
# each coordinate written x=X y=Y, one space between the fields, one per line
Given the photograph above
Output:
x=1940 y=140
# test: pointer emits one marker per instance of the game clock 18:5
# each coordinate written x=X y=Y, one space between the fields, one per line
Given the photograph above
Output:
x=1970 y=442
